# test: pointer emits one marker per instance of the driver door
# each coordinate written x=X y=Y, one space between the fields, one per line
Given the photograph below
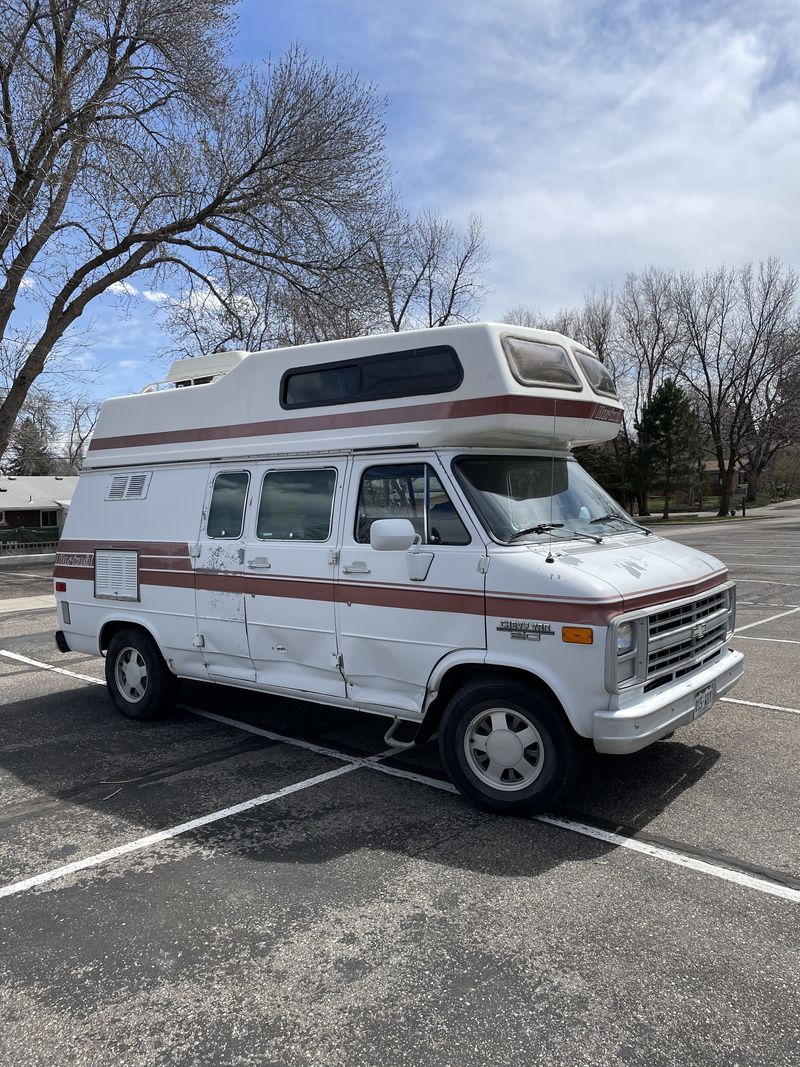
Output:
x=400 y=612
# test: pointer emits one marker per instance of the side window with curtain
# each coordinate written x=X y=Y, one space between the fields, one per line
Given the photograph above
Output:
x=228 y=499
x=409 y=491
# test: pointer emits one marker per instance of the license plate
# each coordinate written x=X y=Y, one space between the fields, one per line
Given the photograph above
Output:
x=703 y=699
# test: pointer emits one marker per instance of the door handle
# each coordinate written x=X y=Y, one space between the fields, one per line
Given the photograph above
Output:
x=356 y=567
x=260 y=563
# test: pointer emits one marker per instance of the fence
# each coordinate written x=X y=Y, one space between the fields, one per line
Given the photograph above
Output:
x=28 y=540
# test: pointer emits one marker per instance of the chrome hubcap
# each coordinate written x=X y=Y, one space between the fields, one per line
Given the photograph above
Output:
x=131 y=674
x=503 y=749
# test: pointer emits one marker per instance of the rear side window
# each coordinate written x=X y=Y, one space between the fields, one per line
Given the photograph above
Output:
x=599 y=378
x=413 y=372
x=296 y=505
x=409 y=491
x=228 y=498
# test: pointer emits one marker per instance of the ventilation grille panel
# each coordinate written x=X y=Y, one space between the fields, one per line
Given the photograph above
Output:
x=116 y=574
x=129 y=486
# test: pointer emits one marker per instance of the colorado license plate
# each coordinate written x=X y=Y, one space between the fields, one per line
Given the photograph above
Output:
x=703 y=699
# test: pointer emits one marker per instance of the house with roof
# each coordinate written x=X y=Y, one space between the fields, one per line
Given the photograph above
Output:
x=33 y=509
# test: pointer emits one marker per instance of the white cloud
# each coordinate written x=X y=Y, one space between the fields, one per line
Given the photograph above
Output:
x=123 y=289
x=130 y=364
x=593 y=137
x=155 y=296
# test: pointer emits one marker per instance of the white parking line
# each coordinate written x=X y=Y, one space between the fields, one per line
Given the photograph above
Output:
x=769 y=640
x=771 y=618
x=767 y=581
x=654 y=851
x=766 y=566
x=755 y=704
x=371 y=763
x=49 y=667
x=164 y=835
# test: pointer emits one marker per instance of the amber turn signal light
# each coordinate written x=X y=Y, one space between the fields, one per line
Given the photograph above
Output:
x=577 y=635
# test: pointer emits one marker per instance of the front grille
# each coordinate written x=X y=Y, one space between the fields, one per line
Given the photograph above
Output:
x=683 y=637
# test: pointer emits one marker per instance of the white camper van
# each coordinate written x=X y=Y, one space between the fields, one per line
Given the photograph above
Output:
x=395 y=525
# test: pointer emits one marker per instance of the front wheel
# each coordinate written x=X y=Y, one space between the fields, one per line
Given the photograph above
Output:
x=507 y=747
x=139 y=681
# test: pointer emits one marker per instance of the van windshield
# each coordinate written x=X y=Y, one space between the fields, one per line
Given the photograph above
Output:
x=513 y=494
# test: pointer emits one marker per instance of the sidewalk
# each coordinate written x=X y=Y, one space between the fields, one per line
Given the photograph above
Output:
x=27 y=603
x=766 y=511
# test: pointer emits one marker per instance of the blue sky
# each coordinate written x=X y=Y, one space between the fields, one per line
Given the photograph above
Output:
x=592 y=137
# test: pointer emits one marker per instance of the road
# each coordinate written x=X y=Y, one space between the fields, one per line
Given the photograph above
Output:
x=245 y=883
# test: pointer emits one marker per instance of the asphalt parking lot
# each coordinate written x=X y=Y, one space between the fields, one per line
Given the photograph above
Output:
x=251 y=882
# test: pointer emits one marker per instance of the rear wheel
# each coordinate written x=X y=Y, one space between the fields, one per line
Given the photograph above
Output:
x=139 y=681
x=507 y=747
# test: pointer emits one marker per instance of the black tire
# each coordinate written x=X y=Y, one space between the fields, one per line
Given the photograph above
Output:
x=553 y=754
x=133 y=657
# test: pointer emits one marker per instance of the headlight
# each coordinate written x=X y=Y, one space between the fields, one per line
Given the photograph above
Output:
x=624 y=638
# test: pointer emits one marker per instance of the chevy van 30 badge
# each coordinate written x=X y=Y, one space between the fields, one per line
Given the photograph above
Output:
x=530 y=631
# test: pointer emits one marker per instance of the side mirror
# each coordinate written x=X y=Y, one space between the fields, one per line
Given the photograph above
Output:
x=392 y=535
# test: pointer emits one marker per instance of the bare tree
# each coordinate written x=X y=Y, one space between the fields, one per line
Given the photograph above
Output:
x=129 y=146
x=415 y=274
x=739 y=329
x=78 y=418
x=242 y=306
x=426 y=271
x=649 y=331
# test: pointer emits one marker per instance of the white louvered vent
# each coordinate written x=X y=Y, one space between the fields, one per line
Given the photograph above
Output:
x=117 y=487
x=116 y=574
x=129 y=486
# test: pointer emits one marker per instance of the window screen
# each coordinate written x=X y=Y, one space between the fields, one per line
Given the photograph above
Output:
x=409 y=491
x=49 y=518
x=228 y=498
x=410 y=373
x=296 y=505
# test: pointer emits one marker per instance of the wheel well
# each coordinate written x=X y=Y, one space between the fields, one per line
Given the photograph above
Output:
x=458 y=676
x=114 y=626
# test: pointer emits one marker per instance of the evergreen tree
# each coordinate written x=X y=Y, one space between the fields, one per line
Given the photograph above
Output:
x=670 y=441
x=29 y=452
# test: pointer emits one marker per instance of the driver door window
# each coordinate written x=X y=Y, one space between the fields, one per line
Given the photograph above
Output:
x=413 y=492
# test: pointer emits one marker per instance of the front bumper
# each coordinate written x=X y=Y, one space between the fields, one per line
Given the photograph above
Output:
x=630 y=728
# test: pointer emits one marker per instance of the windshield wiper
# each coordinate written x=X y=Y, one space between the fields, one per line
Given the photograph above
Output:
x=543 y=527
x=620 y=518
x=585 y=533
x=540 y=528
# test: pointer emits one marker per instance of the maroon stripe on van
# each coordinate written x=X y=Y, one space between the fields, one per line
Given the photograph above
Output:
x=410 y=598
x=148 y=548
x=663 y=594
x=169 y=563
x=497 y=605
x=85 y=574
x=167 y=579
x=598 y=613
x=451 y=409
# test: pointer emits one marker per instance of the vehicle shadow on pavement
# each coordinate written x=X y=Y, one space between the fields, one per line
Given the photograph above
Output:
x=63 y=747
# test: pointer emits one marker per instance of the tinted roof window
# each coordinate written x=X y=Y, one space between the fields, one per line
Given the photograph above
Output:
x=413 y=372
